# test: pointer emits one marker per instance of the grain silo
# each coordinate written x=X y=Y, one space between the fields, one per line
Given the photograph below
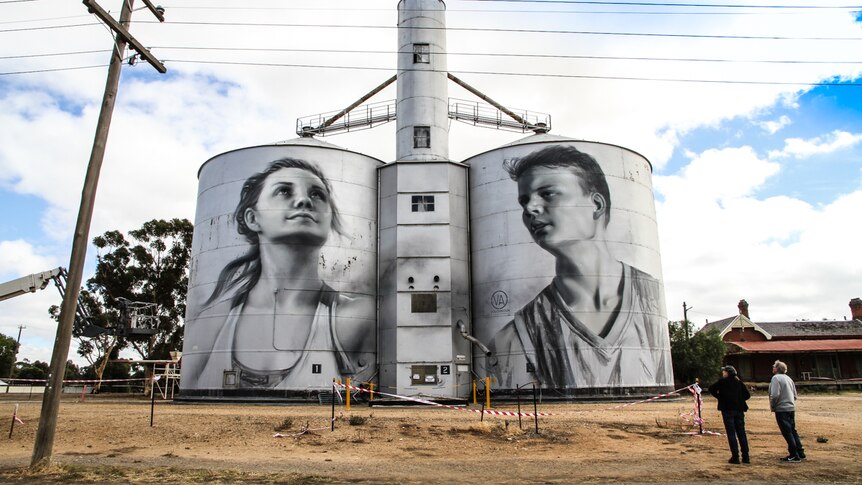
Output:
x=283 y=276
x=566 y=269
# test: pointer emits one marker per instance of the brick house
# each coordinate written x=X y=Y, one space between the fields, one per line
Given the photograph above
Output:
x=813 y=350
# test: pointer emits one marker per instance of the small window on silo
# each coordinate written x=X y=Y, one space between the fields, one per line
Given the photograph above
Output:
x=421 y=137
x=423 y=303
x=422 y=203
x=421 y=54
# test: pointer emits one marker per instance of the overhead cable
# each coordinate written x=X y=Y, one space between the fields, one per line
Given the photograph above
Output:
x=48 y=27
x=528 y=31
x=500 y=54
x=54 y=54
x=664 y=4
x=34 y=71
x=524 y=74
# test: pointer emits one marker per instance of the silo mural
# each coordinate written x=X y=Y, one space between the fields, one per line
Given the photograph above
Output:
x=567 y=284
x=283 y=280
x=537 y=261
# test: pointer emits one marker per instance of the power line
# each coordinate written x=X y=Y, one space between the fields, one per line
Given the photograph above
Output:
x=34 y=71
x=661 y=4
x=46 y=19
x=53 y=54
x=450 y=11
x=525 y=74
x=486 y=10
x=497 y=54
x=530 y=31
x=49 y=27
x=491 y=73
x=468 y=29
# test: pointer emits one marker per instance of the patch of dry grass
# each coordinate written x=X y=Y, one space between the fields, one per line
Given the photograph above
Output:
x=285 y=425
x=493 y=429
x=71 y=473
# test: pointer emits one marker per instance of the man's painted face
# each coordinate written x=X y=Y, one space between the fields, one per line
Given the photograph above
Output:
x=557 y=211
x=293 y=207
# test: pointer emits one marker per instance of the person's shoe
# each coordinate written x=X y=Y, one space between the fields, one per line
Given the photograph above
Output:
x=802 y=456
x=746 y=460
x=791 y=459
x=734 y=460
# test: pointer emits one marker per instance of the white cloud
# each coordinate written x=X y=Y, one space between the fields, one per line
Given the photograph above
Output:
x=19 y=258
x=717 y=175
x=773 y=126
x=821 y=145
x=721 y=243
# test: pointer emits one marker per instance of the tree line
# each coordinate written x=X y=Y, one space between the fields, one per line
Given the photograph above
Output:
x=148 y=265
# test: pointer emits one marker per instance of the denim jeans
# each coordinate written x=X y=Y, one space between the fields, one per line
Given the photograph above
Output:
x=787 y=424
x=734 y=425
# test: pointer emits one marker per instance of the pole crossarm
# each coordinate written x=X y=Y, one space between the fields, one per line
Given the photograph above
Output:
x=121 y=31
x=159 y=12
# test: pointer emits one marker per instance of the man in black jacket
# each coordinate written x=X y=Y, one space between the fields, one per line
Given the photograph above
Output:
x=732 y=394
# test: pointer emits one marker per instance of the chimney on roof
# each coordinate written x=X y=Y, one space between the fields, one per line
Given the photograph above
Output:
x=856 y=308
x=743 y=308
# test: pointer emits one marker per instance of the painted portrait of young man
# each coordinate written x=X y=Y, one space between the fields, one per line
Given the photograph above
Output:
x=598 y=323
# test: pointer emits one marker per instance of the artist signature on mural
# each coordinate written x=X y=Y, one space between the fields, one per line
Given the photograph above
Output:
x=499 y=300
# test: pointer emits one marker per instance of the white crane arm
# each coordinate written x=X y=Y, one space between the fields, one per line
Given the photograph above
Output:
x=28 y=284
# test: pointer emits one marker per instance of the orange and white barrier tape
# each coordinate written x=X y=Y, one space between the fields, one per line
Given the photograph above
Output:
x=494 y=412
x=447 y=406
x=81 y=381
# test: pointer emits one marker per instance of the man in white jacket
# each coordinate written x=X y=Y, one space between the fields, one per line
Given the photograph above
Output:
x=782 y=401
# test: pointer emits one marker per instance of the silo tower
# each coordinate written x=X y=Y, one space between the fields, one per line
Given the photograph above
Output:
x=424 y=258
x=423 y=98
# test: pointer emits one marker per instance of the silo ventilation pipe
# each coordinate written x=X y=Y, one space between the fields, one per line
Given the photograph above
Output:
x=463 y=329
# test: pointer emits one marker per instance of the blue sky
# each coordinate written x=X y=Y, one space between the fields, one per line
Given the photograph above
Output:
x=817 y=180
x=757 y=185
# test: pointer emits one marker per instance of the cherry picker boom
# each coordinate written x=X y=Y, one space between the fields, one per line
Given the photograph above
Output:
x=137 y=319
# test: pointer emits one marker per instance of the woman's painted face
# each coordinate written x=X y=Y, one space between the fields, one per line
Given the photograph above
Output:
x=293 y=207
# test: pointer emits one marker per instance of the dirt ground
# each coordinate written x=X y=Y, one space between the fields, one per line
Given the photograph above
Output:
x=104 y=440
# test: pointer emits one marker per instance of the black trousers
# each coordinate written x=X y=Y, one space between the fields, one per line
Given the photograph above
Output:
x=787 y=424
x=734 y=425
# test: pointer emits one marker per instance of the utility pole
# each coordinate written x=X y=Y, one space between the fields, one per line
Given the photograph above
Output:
x=15 y=356
x=18 y=340
x=43 y=447
x=685 y=310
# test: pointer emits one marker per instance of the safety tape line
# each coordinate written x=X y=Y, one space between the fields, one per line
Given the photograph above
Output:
x=15 y=418
x=654 y=398
x=697 y=413
x=494 y=412
x=698 y=433
x=447 y=406
x=80 y=381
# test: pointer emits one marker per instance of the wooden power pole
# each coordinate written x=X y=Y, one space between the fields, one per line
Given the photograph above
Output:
x=44 y=444
x=685 y=310
x=15 y=356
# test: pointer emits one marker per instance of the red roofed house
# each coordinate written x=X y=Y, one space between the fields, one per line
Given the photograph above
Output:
x=813 y=350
